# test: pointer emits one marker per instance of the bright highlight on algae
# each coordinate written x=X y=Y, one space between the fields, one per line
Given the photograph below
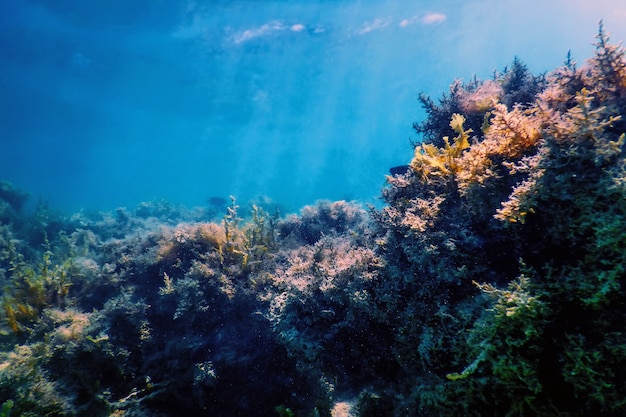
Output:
x=490 y=283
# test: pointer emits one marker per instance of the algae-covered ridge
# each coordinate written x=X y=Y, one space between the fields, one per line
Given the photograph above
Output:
x=490 y=283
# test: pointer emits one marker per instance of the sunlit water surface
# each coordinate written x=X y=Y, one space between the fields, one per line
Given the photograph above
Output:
x=110 y=103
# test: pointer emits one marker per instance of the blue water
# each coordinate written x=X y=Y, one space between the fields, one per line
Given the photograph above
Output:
x=109 y=103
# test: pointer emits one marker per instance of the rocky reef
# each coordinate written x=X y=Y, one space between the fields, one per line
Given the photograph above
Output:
x=490 y=282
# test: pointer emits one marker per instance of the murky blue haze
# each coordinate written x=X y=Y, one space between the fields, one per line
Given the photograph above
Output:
x=110 y=103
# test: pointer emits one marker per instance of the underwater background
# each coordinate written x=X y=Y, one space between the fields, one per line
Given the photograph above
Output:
x=108 y=104
x=329 y=209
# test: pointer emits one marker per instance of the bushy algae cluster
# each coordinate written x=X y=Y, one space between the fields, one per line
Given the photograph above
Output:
x=490 y=283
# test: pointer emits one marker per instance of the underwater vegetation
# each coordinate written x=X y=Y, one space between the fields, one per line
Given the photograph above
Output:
x=530 y=214
x=490 y=283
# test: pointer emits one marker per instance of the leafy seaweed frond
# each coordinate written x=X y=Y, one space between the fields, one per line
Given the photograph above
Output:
x=430 y=160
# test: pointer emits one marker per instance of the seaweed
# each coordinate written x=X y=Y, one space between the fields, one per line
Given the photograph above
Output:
x=490 y=282
x=544 y=181
x=430 y=161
